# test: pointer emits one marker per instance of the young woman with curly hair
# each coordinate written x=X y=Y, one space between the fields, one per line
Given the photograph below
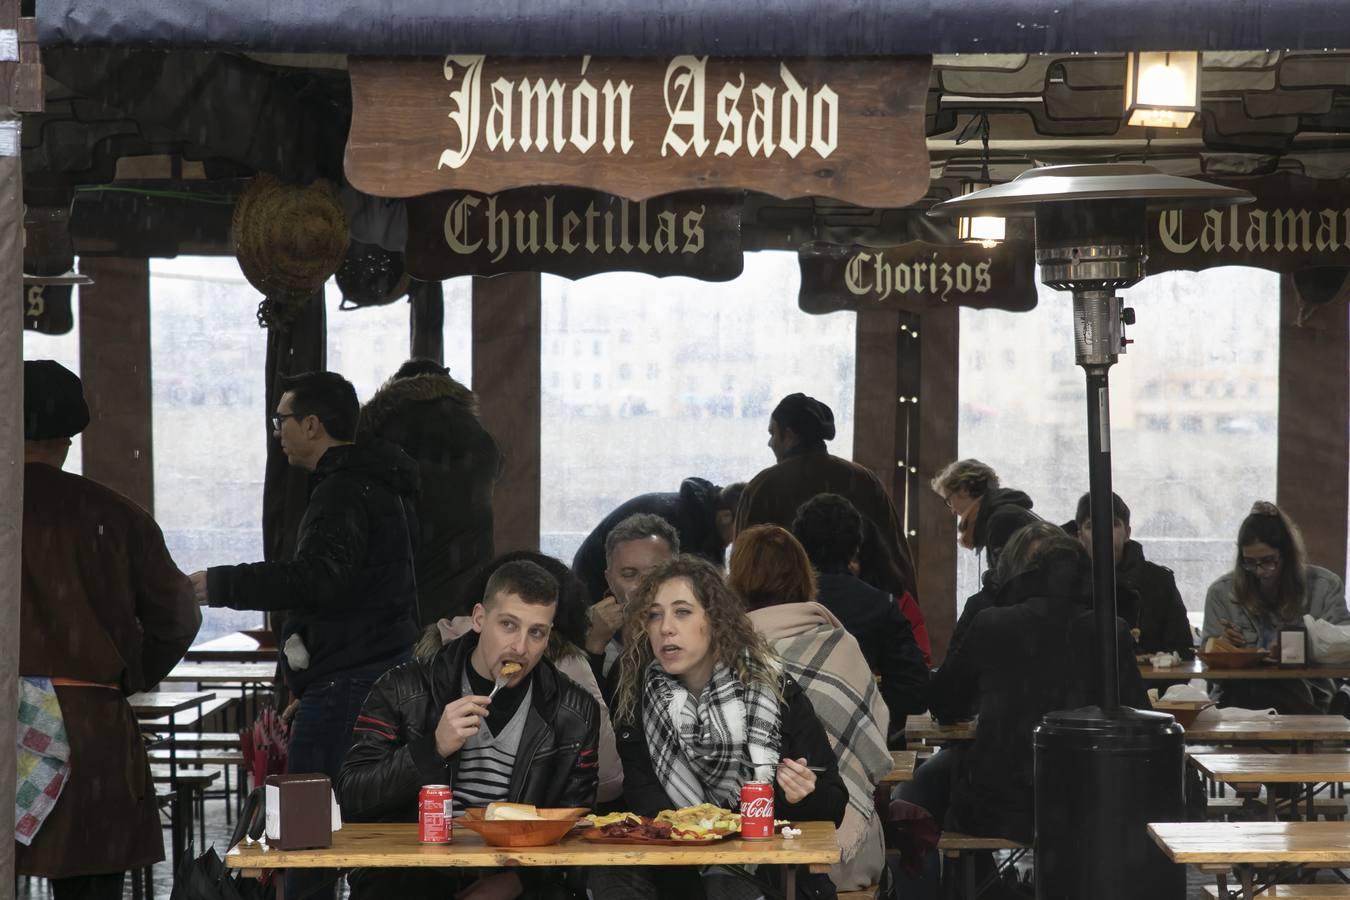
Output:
x=703 y=706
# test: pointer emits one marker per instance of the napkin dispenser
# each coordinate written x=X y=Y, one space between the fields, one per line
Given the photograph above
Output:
x=301 y=812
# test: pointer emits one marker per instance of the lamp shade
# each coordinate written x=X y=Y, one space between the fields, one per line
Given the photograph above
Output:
x=1162 y=90
x=984 y=230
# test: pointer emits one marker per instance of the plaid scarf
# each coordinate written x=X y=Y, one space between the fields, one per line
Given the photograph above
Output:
x=43 y=757
x=828 y=665
x=704 y=748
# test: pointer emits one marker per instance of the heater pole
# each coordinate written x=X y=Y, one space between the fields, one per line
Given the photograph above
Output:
x=1103 y=521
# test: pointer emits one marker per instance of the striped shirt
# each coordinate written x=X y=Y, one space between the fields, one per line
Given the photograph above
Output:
x=487 y=760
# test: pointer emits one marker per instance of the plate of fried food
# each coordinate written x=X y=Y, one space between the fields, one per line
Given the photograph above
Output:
x=521 y=824
x=699 y=824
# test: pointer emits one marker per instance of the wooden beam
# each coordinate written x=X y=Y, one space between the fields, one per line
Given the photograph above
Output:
x=426 y=320
x=11 y=484
x=115 y=368
x=1314 y=424
x=874 y=398
x=934 y=545
x=507 y=324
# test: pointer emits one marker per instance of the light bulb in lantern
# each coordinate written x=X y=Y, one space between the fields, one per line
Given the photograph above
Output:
x=987 y=231
x=1162 y=90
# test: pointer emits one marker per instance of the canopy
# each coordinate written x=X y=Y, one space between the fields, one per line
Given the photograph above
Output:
x=773 y=28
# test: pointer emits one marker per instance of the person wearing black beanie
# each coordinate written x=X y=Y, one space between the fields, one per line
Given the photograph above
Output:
x=798 y=429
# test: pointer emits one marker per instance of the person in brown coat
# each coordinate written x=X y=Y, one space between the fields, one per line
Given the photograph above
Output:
x=798 y=429
x=103 y=613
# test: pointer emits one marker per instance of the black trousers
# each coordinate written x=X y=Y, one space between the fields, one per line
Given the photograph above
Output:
x=88 y=887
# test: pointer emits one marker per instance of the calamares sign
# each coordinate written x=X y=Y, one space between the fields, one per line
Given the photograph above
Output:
x=574 y=233
x=842 y=128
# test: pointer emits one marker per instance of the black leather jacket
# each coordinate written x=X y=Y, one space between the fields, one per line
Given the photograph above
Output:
x=393 y=754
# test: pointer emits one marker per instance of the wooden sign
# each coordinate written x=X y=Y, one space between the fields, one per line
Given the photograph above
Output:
x=46 y=308
x=851 y=129
x=916 y=276
x=574 y=233
x=1296 y=223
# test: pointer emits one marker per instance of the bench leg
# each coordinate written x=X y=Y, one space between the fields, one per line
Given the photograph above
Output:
x=968 y=871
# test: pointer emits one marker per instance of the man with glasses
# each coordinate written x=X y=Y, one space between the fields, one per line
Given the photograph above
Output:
x=350 y=593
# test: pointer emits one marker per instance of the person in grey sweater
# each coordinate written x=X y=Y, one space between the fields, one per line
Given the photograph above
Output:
x=1271 y=587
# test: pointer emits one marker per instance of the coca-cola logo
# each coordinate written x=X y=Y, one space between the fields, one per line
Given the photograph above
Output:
x=758 y=808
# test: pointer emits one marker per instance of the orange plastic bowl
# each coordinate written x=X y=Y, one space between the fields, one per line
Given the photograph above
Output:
x=550 y=829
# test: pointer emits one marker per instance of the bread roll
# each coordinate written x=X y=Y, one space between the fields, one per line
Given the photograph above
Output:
x=511 y=812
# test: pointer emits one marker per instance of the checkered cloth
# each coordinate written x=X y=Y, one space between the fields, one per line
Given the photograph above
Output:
x=44 y=757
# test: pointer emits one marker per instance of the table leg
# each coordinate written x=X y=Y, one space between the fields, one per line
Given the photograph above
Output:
x=790 y=882
x=1248 y=888
x=176 y=832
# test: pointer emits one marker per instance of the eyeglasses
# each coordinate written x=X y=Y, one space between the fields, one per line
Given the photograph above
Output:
x=278 y=418
x=1264 y=564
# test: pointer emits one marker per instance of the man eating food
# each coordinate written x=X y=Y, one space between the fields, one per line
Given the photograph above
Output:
x=433 y=722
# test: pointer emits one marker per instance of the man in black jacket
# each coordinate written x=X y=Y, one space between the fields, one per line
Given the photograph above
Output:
x=830 y=530
x=1154 y=609
x=349 y=593
x=433 y=722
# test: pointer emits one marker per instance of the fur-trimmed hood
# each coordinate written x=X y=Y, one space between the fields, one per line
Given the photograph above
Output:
x=397 y=394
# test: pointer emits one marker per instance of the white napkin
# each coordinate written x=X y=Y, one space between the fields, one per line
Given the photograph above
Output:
x=1214 y=715
x=1185 y=692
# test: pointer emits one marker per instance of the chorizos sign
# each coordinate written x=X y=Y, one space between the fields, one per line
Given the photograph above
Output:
x=916 y=276
x=842 y=128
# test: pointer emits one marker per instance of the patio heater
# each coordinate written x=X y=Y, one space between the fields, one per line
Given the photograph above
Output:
x=1104 y=772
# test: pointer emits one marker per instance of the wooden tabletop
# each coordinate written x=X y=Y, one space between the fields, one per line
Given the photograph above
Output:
x=902 y=767
x=1265 y=843
x=223 y=672
x=395 y=844
x=1272 y=729
x=1265 y=671
x=166 y=702
x=1270 y=768
x=235 y=647
x=926 y=728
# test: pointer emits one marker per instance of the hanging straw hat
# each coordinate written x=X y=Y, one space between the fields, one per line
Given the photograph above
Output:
x=289 y=240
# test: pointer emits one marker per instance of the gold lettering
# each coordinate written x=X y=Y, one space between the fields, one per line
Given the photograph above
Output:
x=665 y=232
x=466 y=108
x=457 y=225
x=1211 y=235
x=622 y=95
x=759 y=136
x=854 y=274
x=1169 y=231
x=550 y=95
x=792 y=114
x=570 y=223
x=982 y=280
x=825 y=121
x=499 y=120
x=1285 y=236
x=693 y=229
x=729 y=117
x=685 y=75
x=1256 y=231
x=1327 y=226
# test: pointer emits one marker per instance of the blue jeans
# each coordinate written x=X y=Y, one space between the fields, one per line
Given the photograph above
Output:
x=321 y=735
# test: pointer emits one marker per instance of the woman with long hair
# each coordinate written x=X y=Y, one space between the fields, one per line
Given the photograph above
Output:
x=829 y=652
x=702 y=707
x=1271 y=588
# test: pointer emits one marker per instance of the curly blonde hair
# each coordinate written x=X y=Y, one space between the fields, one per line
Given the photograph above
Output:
x=733 y=638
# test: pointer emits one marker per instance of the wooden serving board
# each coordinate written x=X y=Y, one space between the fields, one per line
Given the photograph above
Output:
x=597 y=836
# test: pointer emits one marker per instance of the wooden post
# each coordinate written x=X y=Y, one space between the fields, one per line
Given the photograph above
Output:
x=874 y=399
x=426 y=320
x=507 y=323
x=11 y=482
x=935 y=544
x=115 y=368
x=1314 y=424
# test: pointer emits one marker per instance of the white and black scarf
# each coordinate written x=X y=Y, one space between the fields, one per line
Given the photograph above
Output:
x=704 y=748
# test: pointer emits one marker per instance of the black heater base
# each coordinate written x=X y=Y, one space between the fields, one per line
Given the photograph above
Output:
x=1100 y=779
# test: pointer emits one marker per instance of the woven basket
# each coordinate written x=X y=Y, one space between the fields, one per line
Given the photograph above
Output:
x=289 y=240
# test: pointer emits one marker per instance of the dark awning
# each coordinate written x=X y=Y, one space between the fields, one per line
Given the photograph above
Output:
x=782 y=28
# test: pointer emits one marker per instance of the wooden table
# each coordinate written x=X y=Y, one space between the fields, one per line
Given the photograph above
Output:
x=1216 y=846
x=927 y=729
x=235 y=647
x=1266 y=671
x=223 y=673
x=1275 y=768
x=395 y=844
x=155 y=705
x=1296 y=730
x=902 y=767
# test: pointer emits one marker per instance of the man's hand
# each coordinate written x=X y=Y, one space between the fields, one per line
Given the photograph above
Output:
x=796 y=780
x=459 y=722
x=501 y=886
x=606 y=620
x=198 y=580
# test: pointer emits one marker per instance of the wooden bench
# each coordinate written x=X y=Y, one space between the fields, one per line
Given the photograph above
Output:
x=867 y=893
x=191 y=788
x=1225 y=807
x=191 y=719
x=961 y=848
x=215 y=740
x=1291 y=891
x=206 y=756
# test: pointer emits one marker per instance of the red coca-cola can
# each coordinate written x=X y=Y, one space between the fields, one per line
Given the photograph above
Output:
x=434 y=814
x=756 y=811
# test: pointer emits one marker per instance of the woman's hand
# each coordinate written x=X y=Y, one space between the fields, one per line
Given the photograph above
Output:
x=1233 y=634
x=796 y=780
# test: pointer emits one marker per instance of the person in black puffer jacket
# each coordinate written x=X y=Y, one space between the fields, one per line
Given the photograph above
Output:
x=434 y=419
x=349 y=593
x=429 y=721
